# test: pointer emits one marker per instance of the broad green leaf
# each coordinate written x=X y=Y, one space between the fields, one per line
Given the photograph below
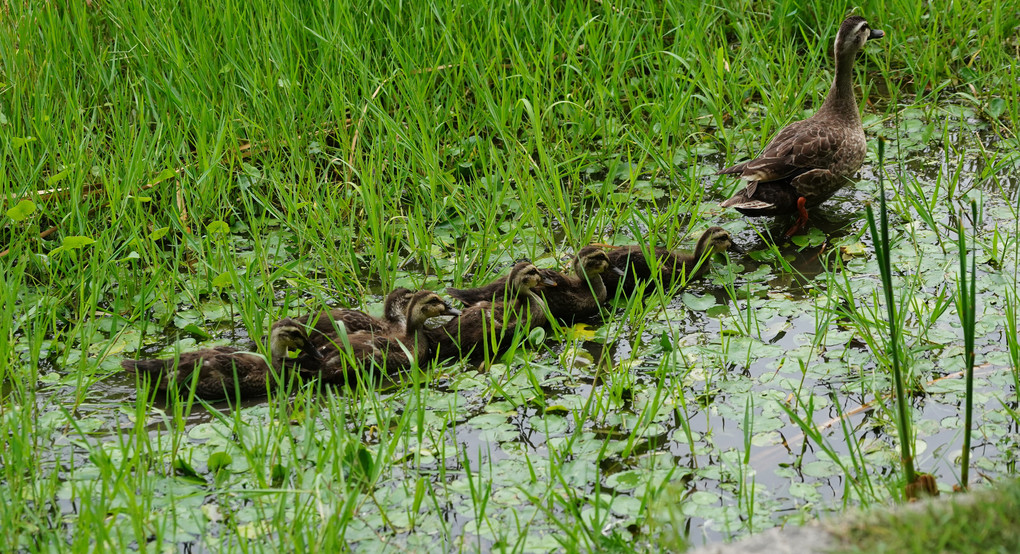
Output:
x=73 y=243
x=218 y=228
x=57 y=177
x=698 y=303
x=183 y=469
x=158 y=233
x=222 y=280
x=996 y=107
x=218 y=461
x=22 y=210
x=18 y=142
x=163 y=176
x=196 y=330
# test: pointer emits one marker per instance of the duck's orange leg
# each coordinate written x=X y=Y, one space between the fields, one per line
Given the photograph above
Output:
x=802 y=218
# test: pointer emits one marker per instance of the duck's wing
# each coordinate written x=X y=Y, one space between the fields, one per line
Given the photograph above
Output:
x=801 y=146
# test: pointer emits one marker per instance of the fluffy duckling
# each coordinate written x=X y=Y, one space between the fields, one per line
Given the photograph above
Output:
x=809 y=160
x=393 y=350
x=567 y=296
x=223 y=370
x=674 y=267
x=582 y=294
x=326 y=323
x=494 y=321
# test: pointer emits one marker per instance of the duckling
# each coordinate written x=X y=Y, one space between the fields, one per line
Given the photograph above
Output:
x=674 y=267
x=582 y=294
x=224 y=370
x=326 y=323
x=567 y=296
x=809 y=160
x=493 y=321
x=497 y=290
x=393 y=350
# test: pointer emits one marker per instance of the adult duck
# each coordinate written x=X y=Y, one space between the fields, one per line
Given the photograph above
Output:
x=809 y=160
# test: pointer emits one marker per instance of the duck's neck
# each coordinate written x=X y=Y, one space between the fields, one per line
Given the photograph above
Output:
x=277 y=355
x=536 y=306
x=414 y=335
x=841 y=102
x=598 y=286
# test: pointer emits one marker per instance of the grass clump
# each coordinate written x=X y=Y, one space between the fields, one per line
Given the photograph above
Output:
x=985 y=521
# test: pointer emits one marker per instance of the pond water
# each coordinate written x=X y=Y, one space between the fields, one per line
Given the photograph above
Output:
x=671 y=421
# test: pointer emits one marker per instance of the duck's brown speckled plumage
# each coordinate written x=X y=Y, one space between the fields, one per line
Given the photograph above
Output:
x=491 y=323
x=813 y=158
x=673 y=266
x=223 y=370
x=356 y=354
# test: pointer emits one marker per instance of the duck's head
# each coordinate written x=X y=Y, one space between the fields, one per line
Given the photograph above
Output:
x=288 y=334
x=525 y=276
x=714 y=240
x=425 y=304
x=852 y=35
x=395 y=305
x=591 y=261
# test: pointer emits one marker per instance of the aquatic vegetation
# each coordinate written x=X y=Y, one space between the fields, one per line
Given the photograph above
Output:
x=180 y=176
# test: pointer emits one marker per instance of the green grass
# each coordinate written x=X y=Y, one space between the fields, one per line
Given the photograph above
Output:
x=985 y=522
x=197 y=170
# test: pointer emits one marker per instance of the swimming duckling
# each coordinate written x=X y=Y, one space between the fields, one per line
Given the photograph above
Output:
x=674 y=267
x=326 y=325
x=809 y=160
x=223 y=370
x=582 y=294
x=493 y=322
x=567 y=296
x=394 y=350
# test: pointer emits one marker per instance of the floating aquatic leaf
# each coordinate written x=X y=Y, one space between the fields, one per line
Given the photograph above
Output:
x=996 y=107
x=218 y=461
x=698 y=303
x=536 y=336
x=184 y=470
x=222 y=280
x=196 y=330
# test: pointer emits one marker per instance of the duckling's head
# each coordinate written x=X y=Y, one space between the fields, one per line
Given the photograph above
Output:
x=852 y=35
x=288 y=334
x=715 y=238
x=425 y=304
x=395 y=305
x=525 y=276
x=590 y=261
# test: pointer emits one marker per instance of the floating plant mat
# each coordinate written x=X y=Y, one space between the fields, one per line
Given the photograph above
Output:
x=668 y=418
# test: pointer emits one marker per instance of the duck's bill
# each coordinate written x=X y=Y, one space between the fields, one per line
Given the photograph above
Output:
x=875 y=34
x=548 y=282
x=617 y=270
